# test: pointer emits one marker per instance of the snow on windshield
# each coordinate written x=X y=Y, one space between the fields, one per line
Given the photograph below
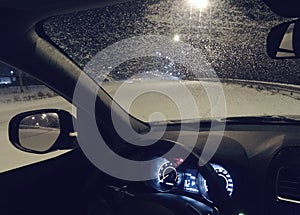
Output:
x=232 y=35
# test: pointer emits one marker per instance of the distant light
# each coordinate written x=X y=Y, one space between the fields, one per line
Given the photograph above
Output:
x=11 y=72
x=158 y=53
x=201 y=4
x=176 y=38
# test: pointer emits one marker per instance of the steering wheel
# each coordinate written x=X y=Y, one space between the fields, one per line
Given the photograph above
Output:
x=218 y=193
x=221 y=201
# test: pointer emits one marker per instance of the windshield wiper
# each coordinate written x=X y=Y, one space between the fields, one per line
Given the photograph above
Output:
x=289 y=119
x=264 y=119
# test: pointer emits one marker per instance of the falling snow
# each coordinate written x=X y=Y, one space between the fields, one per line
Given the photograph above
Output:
x=231 y=34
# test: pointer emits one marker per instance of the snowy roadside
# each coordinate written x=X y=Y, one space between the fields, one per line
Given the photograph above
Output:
x=10 y=157
x=35 y=92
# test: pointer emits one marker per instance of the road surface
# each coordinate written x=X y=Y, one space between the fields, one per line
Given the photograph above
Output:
x=10 y=157
x=39 y=139
x=240 y=101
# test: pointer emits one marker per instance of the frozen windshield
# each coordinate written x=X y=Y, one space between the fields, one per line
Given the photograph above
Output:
x=155 y=44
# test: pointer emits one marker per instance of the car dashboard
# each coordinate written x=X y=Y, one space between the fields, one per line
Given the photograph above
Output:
x=258 y=164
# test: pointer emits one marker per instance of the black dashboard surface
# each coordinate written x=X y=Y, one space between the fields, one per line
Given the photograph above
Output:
x=253 y=155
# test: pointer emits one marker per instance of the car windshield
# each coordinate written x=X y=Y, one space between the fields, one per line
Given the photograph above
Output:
x=159 y=53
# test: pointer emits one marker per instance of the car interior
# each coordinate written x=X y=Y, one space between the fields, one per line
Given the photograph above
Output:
x=253 y=161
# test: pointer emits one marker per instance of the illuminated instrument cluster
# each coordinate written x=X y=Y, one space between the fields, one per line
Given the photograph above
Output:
x=171 y=176
x=224 y=174
x=167 y=176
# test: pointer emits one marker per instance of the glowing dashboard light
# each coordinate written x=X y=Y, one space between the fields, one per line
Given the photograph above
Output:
x=224 y=174
x=190 y=181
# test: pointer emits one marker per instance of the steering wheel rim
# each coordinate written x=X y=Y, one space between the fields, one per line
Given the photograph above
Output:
x=221 y=201
x=218 y=192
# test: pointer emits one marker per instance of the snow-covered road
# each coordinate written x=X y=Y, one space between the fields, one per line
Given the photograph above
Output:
x=240 y=101
x=10 y=157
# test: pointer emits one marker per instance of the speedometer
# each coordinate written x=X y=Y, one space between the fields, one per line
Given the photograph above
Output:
x=167 y=175
x=224 y=174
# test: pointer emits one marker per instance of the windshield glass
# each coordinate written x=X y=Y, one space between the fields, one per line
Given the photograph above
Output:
x=214 y=49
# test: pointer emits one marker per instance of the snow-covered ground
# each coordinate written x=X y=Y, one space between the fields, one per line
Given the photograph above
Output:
x=241 y=100
x=30 y=93
x=10 y=157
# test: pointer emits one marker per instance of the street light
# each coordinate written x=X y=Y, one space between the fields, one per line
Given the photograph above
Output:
x=200 y=4
x=176 y=38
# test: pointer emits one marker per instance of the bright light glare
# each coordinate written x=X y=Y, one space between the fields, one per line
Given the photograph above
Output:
x=201 y=4
x=176 y=38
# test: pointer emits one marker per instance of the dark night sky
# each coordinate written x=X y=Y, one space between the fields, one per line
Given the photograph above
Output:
x=6 y=70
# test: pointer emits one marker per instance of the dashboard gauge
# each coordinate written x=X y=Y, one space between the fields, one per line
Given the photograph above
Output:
x=190 y=181
x=168 y=176
x=224 y=174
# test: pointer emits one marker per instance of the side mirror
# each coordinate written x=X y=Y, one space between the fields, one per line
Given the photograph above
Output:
x=42 y=131
x=284 y=41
